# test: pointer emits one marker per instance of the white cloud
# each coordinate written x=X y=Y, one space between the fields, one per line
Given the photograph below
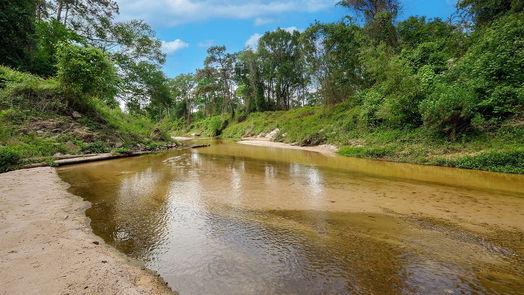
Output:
x=291 y=29
x=174 y=12
x=259 y=21
x=206 y=43
x=173 y=46
x=252 y=41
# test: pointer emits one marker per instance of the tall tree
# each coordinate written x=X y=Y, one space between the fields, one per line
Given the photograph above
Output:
x=331 y=54
x=281 y=57
x=182 y=89
x=248 y=76
x=380 y=16
x=208 y=91
x=223 y=63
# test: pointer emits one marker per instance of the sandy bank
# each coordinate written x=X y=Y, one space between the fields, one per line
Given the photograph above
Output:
x=325 y=148
x=47 y=246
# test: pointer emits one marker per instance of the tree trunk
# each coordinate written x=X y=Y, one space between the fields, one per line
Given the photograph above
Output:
x=66 y=14
x=59 y=10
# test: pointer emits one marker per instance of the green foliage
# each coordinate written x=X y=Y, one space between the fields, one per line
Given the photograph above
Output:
x=485 y=86
x=48 y=35
x=282 y=65
x=16 y=30
x=248 y=75
x=415 y=31
x=393 y=99
x=85 y=72
x=96 y=147
x=382 y=30
x=500 y=161
x=121 y=150
x=153 y=88
x=211 y=126
x=27 y=99
x=30 y=92
x=370 y=8
x=449 y=109
x=493 y=67
x=331 y=53
x=485 y=11
x=9 y=158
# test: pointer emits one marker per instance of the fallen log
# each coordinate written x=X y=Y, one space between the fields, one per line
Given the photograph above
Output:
x=200 y=146
x=77 y=159
x=99 y=157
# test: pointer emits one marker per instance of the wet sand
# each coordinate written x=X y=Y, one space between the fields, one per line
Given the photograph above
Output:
x=47 y=246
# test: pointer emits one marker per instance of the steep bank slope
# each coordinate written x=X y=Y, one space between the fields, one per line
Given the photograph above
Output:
x=48 y=248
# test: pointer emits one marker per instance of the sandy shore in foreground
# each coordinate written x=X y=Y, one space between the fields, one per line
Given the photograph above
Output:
x=47 y=246
x=325 y=148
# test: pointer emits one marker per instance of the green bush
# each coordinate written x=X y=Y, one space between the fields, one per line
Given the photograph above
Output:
x=86 y=71
x=121 y=150
x=495 y=65
x=212 y=126
x=9 y=158
x=501 y=161
x=394 y=98
x=49 y=33
x=486 y=84
x=96 y=147
x=449 y=109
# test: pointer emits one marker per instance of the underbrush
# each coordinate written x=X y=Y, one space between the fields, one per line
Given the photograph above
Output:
x=210 y=126
x=500 y=161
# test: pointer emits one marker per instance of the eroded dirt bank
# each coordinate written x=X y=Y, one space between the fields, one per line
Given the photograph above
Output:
x=47 y=246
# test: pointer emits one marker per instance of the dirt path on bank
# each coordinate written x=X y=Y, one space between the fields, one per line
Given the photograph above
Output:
x=325 y=148
x=47 y=246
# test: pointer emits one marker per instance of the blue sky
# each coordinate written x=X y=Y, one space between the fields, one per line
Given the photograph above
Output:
x=189 y=27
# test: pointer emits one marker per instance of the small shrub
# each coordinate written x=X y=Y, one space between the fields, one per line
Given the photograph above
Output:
x=96 y=147
x=121 y=150
x=154 y=145
x=9 y=158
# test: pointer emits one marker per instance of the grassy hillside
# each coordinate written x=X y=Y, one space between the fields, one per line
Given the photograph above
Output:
x=38 y=121
x=501 y=149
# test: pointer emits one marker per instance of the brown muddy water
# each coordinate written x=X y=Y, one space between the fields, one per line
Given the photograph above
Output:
x=238 y=219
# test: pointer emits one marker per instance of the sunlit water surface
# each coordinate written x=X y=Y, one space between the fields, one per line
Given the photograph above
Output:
x=235 y=219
